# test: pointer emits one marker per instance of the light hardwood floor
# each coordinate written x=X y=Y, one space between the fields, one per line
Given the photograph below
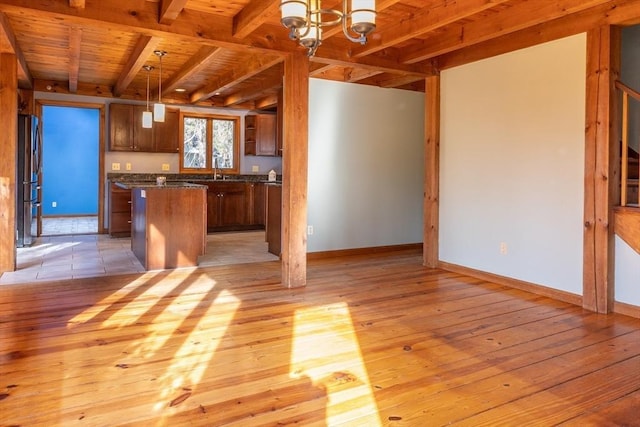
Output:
x=371 y=341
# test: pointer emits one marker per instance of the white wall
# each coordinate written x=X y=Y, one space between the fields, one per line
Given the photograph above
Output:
x=366 y=166
x=512 y=164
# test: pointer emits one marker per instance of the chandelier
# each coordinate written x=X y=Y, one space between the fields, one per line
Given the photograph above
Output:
x=305 y=20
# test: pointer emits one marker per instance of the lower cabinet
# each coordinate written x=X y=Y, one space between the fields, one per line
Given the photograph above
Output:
x=234 y=205
x=274 y=218
x=119 y=211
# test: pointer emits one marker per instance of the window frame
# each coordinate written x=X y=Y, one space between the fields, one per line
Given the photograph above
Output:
x=208 y=169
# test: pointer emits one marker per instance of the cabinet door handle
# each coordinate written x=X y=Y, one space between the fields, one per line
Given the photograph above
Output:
x=129 y=201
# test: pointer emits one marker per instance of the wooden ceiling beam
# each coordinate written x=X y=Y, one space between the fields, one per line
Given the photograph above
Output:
x=436 y=14
x=143 y=49
x=8 y=44
x=169 y=10
x=353 y=75
x=519 y=17
x=254 y=14
x=265 y=87
x=141 y=16
x=77 y=4
x=270 y=101
x=203 y=57
x=608 y=14
x=249 y=69
x=75 y=39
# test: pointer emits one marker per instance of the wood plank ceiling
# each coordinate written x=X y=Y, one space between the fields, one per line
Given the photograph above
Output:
x=229 y=53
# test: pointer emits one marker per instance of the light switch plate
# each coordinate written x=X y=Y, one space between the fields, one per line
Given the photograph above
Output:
x=127 y=166
x=255 y=168
x=115 y=166
x=165 y=166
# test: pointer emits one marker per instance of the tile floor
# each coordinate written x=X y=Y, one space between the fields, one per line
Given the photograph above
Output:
x=69 y=225
x=93 y=255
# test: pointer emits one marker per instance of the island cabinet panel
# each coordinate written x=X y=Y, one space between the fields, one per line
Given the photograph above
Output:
x=127 y=134
x=119 y=211
x=260 y=135
x=274 y=218
x=169 y=226
x=257 y=203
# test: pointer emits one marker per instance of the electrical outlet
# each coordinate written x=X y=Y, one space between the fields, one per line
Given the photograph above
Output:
x=115 y=166
x=255 y=168
x=503 y=248
x=127 y=166
x=54 y=204
x=165 y=166
x=309 y=230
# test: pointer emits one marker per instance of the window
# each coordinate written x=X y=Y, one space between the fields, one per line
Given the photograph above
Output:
x=209 y=141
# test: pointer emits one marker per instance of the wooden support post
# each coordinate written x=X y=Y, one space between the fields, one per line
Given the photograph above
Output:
x=602 y=179
x=432 y=173
x=8 y=151
x=294 y=169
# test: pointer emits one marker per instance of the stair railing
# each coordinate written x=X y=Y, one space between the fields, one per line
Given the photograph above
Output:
x=624 y=176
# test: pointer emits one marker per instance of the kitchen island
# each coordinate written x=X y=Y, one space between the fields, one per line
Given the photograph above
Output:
x=168 y=223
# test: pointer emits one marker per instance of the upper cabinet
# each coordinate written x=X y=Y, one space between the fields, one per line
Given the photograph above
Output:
x=127 y=134
x=260 y=135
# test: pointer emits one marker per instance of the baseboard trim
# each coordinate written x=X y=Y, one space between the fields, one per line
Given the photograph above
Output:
x=410 y=247
x=514 y=283
x=626 y=309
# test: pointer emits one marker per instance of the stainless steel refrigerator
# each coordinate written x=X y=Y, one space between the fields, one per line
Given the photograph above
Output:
x=28 y=170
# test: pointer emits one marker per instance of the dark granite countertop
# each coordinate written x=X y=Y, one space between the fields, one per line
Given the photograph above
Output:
x=150 y=178
x=130 y=185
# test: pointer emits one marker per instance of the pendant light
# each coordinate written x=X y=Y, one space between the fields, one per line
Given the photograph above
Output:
x=158 y=107
x=147 y=116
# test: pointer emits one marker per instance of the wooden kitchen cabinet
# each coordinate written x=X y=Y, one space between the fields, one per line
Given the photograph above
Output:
x=127 y=134
x=165 y=134
x=226 y=205
x=119 y=211
x=260 y=135
x=274 y=218
x=257 y=203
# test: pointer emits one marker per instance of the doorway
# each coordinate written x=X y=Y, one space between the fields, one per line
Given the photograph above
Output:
x=71 y=169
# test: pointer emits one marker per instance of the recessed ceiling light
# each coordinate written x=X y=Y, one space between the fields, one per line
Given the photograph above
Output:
x=181 y=89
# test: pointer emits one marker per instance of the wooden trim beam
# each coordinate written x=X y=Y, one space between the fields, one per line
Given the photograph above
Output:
x=265 y=86
x=75 y=39
x=545 y=32
x=203 y=57
x=353 y=74
x=294 y=170
x=8 y=44
x=521 y=16
x=433 y=16
x=431 y=223
x=169 y=10
x=254 y=14
x=269 y=101
x=142 y=50
x=254 y=66
x=601 y=180
x=8 y=159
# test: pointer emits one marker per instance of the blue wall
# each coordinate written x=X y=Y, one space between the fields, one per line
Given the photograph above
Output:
x=70 y=157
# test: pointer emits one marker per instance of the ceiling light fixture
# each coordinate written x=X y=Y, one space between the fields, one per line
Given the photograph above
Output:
x=147 y=116
x=158 y=107
x=304 y=19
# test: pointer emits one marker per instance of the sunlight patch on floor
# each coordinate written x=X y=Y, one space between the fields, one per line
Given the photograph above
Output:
x=192 y=359
x=325 y=348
